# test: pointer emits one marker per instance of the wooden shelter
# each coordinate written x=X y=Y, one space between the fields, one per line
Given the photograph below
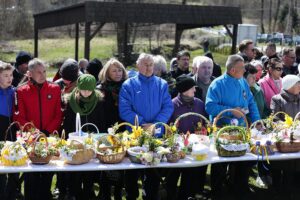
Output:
x=184 y=16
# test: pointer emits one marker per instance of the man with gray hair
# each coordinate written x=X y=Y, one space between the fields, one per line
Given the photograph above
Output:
x=39 y=102
x=147 y=97
x=203 y=76
x=231 y=91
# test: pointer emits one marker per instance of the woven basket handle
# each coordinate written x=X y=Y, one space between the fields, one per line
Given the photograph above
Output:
x=176 y=123
x=9 y=129
x=41 y=135
x=90 y=124
x=278 y=113
x=230 y=110
x=256 y=122
x=151 y=129
x=297 y=117
x=27 y=124
x=116 y=128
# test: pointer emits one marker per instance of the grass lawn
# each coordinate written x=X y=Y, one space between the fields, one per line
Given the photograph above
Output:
x=55 y=50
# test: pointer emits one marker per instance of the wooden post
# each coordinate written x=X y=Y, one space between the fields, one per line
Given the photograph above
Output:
x=76 y=40
x=87 y=40
x=178 y=34
x=234 y=38
x=36 y=39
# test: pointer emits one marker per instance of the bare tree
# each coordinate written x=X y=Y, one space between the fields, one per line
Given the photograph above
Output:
x=262 y=16
x=270 y=15
x=276 y=15
x=289 y=24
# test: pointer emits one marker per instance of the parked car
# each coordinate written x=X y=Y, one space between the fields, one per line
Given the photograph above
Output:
x=288 y=39
x=277 y=38
x=296 y=39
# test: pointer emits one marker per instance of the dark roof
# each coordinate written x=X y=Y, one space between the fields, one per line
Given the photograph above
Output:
x=94 y=11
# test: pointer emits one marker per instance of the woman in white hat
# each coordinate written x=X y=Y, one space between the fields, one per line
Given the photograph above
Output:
x=288 y=100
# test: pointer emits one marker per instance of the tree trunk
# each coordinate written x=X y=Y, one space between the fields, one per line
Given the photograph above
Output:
x=270 y=16
x=262 y=16
x=276 y=15
x=289 y=24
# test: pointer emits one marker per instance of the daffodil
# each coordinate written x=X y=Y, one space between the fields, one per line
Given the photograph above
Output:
x=174 y=128
x=288 y=121
x=136 y=132
x=42 y=140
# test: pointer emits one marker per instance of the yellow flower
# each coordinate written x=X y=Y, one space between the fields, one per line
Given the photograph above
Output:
x=174 y=128
x=208 y=129
x=158 y=142
x=112 y=140
x=136 y=131
x=89 y=141
x=288 y=120
x=42 y=140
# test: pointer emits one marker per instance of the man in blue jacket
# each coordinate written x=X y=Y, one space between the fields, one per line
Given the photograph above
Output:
x=231 y=91
x=146 y=96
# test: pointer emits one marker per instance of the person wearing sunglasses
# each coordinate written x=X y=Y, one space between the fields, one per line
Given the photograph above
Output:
x=271 y=83
x=288 y=60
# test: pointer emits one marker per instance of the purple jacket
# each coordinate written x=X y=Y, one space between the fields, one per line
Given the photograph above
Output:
x=188 y=123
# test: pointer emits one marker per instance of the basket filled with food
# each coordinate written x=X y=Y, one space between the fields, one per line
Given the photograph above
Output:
x=109 y=149
x=231 y=140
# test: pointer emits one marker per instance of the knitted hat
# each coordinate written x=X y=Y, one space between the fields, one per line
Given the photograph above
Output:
x=22 y=57
x=184 y=83
x=69 y=70
x=86 y=82
x=94 y=67
x=289 y=81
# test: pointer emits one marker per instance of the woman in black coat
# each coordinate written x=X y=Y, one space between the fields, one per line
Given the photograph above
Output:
x=88 y=102
x=111 y=78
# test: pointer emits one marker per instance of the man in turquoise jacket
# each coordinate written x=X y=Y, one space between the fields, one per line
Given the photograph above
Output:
x=146 y=96
x=231 y=91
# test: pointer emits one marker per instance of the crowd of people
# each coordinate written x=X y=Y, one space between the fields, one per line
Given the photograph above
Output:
x=254 y=83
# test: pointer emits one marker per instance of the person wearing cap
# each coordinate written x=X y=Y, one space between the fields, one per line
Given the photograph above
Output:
x=250 y=75
x=83 y=63
x=94 y=67
x=21 y=67
x=186 y=102
x=203 y=76
x=147 y=97
x=38 y=101
x=271 y=83
x=69 y=72
x=88 y=102
x=231 y=91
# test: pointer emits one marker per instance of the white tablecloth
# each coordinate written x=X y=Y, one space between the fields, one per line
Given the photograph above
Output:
x=94 y=165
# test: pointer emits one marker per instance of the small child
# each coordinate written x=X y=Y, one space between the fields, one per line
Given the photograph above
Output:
x=7 y=190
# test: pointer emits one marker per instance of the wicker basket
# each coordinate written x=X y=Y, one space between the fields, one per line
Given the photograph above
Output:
x=112 y=158
x=82 y=155
x=222 y=152
x=173 y=157
x=37 y=160
x=176 y=123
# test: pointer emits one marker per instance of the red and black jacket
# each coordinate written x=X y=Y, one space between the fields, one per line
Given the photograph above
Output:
x=40 y=105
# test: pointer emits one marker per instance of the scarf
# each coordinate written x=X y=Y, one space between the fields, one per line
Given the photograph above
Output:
x=83 y=106
x=113 y=88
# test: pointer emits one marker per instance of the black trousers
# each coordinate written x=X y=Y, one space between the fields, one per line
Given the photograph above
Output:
x=37 y=185
x=237 y=174
x=192 y=182
x=151 y=181
x=109 y=179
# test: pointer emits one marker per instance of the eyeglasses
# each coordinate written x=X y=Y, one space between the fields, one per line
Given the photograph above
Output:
x=278 y=69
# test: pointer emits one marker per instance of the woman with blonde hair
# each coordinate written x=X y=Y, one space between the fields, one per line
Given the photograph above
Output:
x=111 y=79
